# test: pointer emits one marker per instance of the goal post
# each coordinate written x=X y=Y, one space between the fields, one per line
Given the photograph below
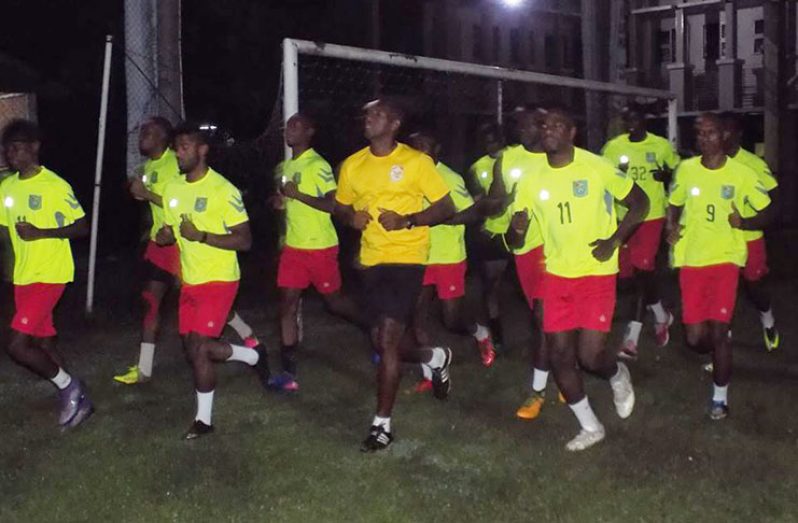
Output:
x=337 y=79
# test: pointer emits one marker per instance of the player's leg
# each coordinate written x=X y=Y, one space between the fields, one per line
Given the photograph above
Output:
x=152 y=297
x=493 y=271
x=721 y=369
x=595 y=358
x=539 y=360
x=31 y=326
x=242 y=329
x=754 y=286
x=289 y=341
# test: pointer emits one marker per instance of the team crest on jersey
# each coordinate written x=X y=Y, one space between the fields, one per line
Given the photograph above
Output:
x=580 y=188
x=397 y=172
x=200 y=204
x=35 y=202
x=727 y=192
x=651 y=157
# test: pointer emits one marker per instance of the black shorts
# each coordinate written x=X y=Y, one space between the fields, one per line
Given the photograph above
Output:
x=152 y=272
x=391 y=291
x=489 y=247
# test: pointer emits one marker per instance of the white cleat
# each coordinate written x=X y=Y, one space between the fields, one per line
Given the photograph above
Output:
x=585 y=439
x=622 y=391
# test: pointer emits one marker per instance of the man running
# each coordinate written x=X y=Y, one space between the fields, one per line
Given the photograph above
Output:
x=706 y=229
x=310 y=251
x=205 y=215
x=649 y=160
x=41 y=215
x=572 y=198
x=381 y=192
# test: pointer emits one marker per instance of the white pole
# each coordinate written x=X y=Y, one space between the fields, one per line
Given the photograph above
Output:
x=673 y=123
x=290 y=84
x=98 y=173
x=499 y=102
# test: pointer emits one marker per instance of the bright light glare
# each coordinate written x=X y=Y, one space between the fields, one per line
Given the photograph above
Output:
x=512 y=3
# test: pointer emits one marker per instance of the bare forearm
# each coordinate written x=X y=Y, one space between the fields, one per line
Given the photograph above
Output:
x=760 y=221
x=638 y=204
x=514 y=238
x=325 y=204
x=468 y=216
x=343 y=213
x=437 y=213
x=228 y=242
x=79 y=229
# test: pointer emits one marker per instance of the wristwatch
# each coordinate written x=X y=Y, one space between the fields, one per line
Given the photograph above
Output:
x=411 y=221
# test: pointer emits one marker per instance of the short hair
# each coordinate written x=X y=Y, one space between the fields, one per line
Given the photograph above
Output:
x=308 y=118
x=713 y=117
x=163 y=124
x=194 y=130
x=493 y=128
x=731 y=121
x=562 y=111
x=391 y=105
x=21 y=130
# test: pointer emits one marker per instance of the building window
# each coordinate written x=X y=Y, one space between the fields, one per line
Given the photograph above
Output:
x=515 y=45
x=711 y=41
x=567 y=58
x=478 y=44
x=550 y=50
x=531 y=55
x=666 y=53
x=497 y=43
x=759 y=36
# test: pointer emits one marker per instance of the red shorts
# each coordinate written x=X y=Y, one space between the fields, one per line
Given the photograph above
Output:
x=166 y=257
x=531 y=268
x=35 y=303
x=708 y=293
x=448 y=279
x=204 y=308
x=298 y=268
x=756 y=267
x=578 y=303
x=640 y=251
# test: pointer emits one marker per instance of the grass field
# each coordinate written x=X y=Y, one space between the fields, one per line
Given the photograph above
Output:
x=296 y=458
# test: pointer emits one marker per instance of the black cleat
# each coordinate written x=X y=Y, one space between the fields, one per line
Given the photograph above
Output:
x=440 y=377
x=197 y=430
x=378 y=439
x=262 y=367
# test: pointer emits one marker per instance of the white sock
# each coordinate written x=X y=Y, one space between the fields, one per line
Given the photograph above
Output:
x=243 y=354
x=768 y=321
x=146 y=355
x=633 y=331
x=426 y=372
x=62 y=379
x=539 y=379
x=720 y=393
x=481 y=333
x=659 y=312
x=384 y=422
x=204 y=407
x=437 y=359
x=583 y=412
x=243 y=330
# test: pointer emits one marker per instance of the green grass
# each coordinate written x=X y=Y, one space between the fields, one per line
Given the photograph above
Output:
x=296 y=458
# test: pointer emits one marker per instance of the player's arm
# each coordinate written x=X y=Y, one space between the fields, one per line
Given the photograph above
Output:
x=238 y=237
x=29 y=232
x=473 y=184
x=324 y=203
x=437 y=213
x=760 y=201
x=673 y=227
x=497 y=192
x=139 y=191
x=519 y=225
x=472 y=214
x=637 y=204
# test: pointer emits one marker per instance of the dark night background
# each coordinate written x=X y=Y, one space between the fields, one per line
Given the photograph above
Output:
x=231 y=71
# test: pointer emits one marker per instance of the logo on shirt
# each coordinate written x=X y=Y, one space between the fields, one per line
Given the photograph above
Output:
x=651 y=157
x=35 y=202
x=72 y=201
x=397 y=172
x=237 y=203
x=727 y=192
x=153 y=177
x=580 y=188
x=200 y=204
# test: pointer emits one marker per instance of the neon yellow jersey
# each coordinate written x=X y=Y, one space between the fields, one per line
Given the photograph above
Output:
x=306 y=227
x=574 y=206
x=765 y=175
x=447 y=242
x=47 y=201
x=518 y=163
x=706 y=196
x=214 y=205
x=158 y=173
x=482 y=172
x=399 y=182
x=644 y=158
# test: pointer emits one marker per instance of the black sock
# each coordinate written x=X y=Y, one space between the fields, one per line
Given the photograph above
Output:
x=495 y=325
x=288 y=358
